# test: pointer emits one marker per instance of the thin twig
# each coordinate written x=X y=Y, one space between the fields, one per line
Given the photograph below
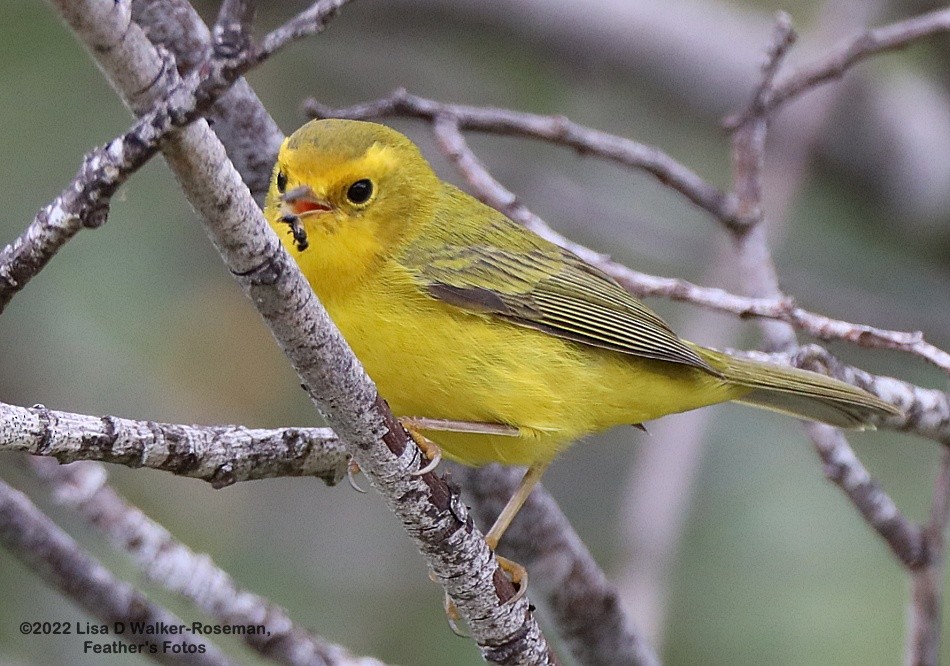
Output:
x=85 y=202
x=307 y=23
x=847 y=54
x=757 y=272
x=926 y=607
x=555 y=129
x=168 y=562
x=53 y=555
x=842 y=467
x=783 y=38
x=220 y=455
x=246 y=129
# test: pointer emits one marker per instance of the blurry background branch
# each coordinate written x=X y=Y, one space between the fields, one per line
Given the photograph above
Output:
x=45 y=549
x=921 y=551
x=167 y=562
x=703 y=54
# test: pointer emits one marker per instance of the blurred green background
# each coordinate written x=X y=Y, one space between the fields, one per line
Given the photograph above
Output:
x=140 y=319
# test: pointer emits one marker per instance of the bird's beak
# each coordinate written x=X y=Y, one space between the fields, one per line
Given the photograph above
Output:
x=301 y=201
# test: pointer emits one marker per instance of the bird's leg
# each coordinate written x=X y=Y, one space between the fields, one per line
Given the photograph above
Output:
x=352 y=469
x=528 y=482
x=431 y=450
x=451 y=425
x=515 y=571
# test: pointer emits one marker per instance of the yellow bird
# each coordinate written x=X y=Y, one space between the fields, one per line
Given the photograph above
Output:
x=461 y=315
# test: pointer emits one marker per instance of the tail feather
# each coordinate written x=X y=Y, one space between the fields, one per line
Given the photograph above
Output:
x=801 y=393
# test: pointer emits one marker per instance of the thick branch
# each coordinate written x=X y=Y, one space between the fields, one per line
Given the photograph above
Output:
x=221 y=455
x=52 y=554
x=455 y=551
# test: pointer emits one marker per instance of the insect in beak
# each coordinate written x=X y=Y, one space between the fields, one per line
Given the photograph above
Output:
x=295 y=204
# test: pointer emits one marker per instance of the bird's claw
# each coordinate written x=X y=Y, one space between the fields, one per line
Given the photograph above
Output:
x=452 y=616
x=517 y=574
x=352 y=469
x=429 y=448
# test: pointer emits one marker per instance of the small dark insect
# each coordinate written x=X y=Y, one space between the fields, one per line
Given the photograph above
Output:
x=296 y=228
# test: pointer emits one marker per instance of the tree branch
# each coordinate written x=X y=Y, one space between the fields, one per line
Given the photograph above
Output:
x=220 y=455
x=456 y=552
x=249 y=134
x=926 y=607
x=850 y=52
x=844 y=469
x=555 y=129
x=85 y=202
x=168 y=562
x=232 y=31
x=53 y=555
x=583 y=603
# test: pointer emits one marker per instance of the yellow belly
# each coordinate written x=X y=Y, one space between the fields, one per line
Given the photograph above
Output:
x=442 y=362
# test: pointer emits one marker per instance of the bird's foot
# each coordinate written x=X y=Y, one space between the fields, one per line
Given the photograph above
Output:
x=516 y=573
x=352 y=469
x=429 y=448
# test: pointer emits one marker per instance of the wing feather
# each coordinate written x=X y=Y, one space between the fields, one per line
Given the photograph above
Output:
x=501 y=269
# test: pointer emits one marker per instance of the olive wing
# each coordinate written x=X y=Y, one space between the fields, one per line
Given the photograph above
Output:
x=544 y=287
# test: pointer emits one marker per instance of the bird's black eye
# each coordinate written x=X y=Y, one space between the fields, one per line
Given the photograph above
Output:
x=281 y=181
x=360 y=191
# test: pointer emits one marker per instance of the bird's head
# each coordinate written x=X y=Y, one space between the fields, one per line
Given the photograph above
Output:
x=344 y=194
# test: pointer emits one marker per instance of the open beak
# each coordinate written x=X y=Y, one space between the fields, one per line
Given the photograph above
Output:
x=301 y=201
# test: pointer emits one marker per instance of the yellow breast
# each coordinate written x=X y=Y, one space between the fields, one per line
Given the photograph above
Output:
x=434 y=360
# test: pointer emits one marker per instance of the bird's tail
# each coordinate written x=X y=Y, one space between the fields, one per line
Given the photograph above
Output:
x=800 y=393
